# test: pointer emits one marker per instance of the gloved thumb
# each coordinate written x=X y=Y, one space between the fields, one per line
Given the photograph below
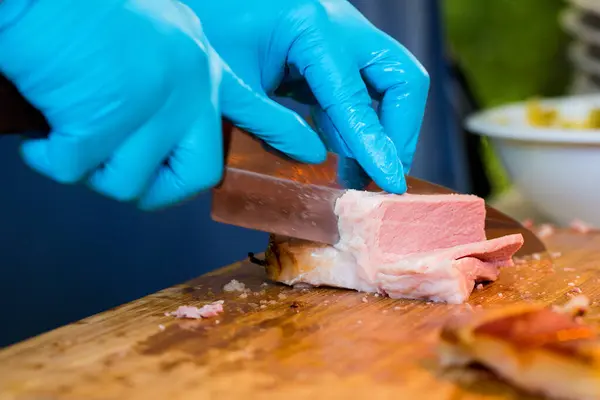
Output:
x=278 y=126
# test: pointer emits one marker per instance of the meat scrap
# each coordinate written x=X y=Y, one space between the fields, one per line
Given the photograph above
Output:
x=429 y=247
x=191 y=312
x=580 y=226
x=576 y=306
x=545 y=230
x=235 y=286
x=530 y=346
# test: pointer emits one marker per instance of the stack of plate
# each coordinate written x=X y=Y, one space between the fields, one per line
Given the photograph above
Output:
x=582 y=21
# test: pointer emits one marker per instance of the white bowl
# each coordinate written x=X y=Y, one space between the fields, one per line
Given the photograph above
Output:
x=557 y=170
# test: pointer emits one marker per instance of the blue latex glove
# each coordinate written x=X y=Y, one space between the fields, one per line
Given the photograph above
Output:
x=325 y=53
x=131 y=90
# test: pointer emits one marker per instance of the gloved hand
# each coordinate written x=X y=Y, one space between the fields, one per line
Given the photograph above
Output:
x=326 y=54
x=131 y=91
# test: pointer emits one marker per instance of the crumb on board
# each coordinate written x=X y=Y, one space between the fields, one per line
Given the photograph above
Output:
x=191 y=312
x=577 y=305
x=364 y=299
x=479 y=286
x=161 y=327
x=281 y=296
x=244 y=296
x=528 y=223
x=500 y=295
x=545 y=230
x=579 y=226
x=234 y=286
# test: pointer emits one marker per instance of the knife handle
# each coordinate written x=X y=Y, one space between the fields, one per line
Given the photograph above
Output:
x=17 y=115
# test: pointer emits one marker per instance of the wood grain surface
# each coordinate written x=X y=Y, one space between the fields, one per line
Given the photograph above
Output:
x=282 y=342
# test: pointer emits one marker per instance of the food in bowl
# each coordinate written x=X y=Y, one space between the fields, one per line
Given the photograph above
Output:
x=556 y=170
x=549 y=117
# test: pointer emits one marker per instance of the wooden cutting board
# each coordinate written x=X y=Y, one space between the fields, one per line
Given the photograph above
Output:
x=281 y=342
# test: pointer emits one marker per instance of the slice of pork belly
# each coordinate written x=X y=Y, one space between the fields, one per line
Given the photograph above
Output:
x=530 y=346
x=447 y=275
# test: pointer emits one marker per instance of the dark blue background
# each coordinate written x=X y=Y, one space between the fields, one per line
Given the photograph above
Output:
x=66 y=253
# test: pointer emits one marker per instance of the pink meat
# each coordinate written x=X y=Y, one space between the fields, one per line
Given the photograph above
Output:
x=448 y=275
x=399 y=225
x=206 y=311
x=421 y=246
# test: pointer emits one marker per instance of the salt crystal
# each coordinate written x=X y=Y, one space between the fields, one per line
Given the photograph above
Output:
x=364 y=299
x=161 y=327
x=479 y=287
x=500 y=295
x=571 y=284
x=397 y=308
x=536 y=256
x=244 y=296
x=281 y=296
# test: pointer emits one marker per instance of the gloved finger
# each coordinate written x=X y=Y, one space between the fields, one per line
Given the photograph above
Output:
x=404 y=84
x=126 y=175
x=67 y=157
x=278 y=126
x=196 y=164
x=338 y=87
x=351 y=173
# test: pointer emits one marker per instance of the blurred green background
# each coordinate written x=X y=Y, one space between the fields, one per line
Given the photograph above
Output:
x=510 y=50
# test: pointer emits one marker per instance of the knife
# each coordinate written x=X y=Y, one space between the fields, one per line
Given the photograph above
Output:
x=263 y=189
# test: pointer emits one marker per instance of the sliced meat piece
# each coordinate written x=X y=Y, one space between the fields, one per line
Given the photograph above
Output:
x=531 y=346
x=446 y=275
x=206 y=311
